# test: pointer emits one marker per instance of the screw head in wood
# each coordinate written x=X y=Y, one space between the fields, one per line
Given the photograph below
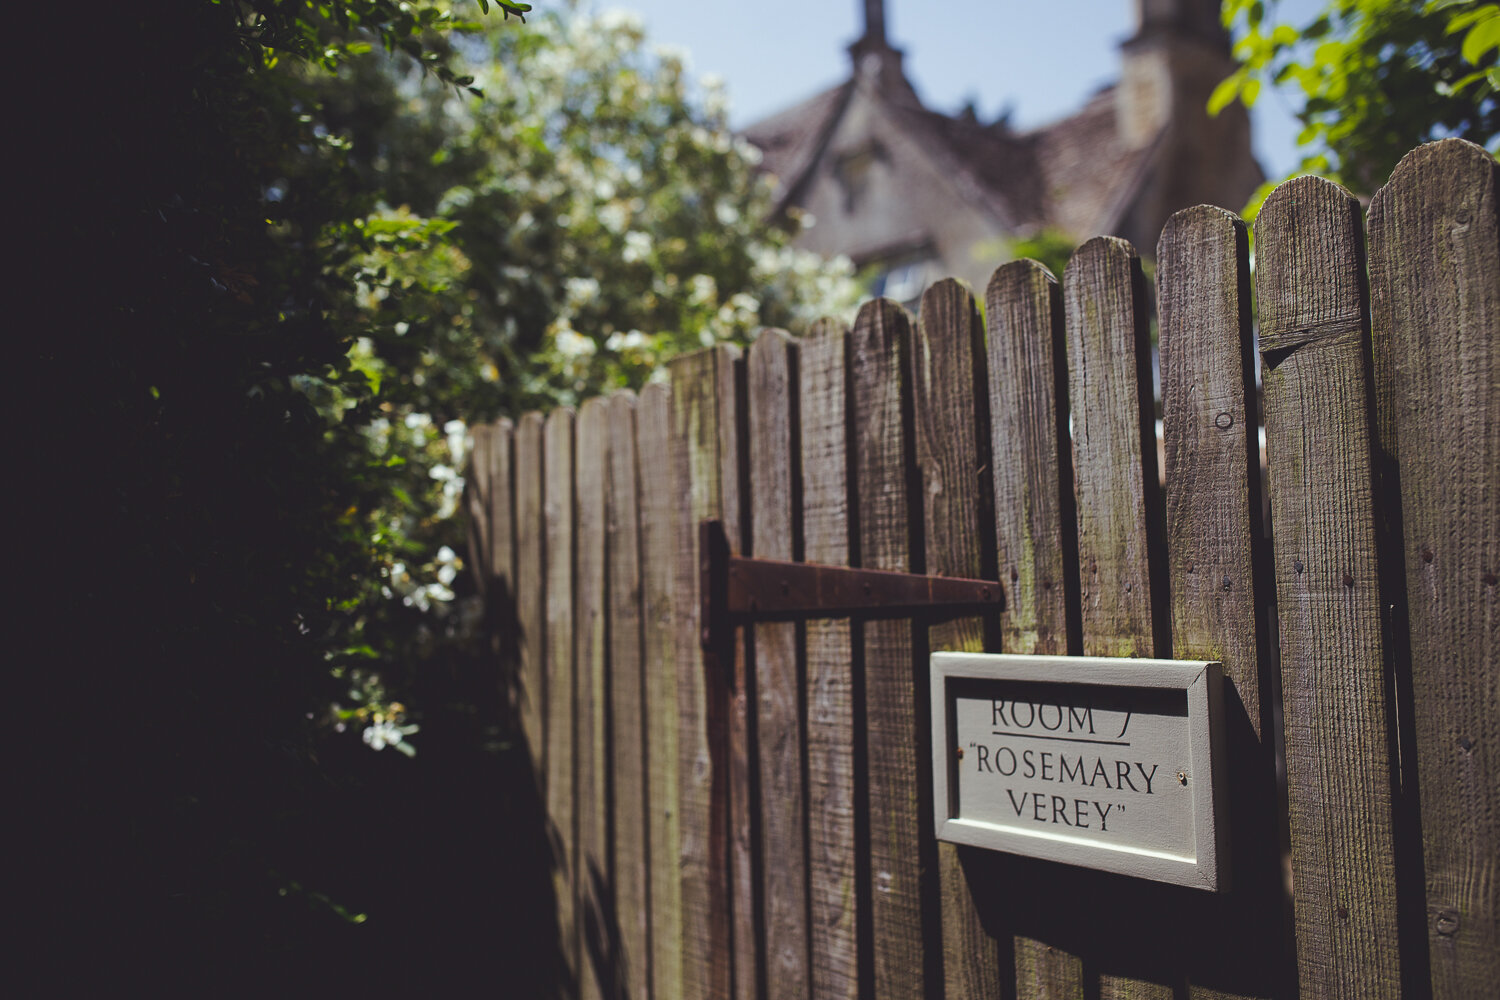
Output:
x=1348 y=580
x=1224 y=421
x=1426 y=554
x=1445 y=922
x=1297 y=565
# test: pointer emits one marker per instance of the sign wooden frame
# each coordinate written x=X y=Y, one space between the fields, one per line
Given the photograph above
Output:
x=1202 y=865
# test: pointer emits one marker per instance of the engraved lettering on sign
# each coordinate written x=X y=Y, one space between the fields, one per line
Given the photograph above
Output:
x=1102 y=771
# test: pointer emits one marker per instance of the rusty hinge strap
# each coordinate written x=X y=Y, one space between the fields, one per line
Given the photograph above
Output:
x=737 y=590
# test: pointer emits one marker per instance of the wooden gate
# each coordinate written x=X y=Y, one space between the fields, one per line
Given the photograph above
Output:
x=756 y=823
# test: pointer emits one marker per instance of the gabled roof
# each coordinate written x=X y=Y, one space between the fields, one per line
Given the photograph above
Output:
x=1076 y=174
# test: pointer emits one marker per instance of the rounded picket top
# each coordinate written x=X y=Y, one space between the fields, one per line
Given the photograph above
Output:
x=1436 y=186
x=878 y=312
x=1101 y=252
x=1018 y=277
x=1445 y=166
x=1189 y=227
x=825 y=326
x=1309 y=276
x=946 y=293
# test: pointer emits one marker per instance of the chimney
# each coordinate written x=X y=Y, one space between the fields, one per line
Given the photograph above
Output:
x=1169 y=66
x=876 y=63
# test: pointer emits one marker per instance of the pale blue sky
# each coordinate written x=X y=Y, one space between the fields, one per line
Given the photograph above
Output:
x=1042 y=58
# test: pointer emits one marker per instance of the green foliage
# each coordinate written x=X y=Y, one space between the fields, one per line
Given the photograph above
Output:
x=308 y=244
x=1051 y=247
x=1376 y=77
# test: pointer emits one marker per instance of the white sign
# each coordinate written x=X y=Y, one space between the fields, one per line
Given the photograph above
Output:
x=1111 y=764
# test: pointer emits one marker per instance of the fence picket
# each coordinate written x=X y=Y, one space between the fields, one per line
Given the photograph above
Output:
x=744 y=776
x=626 y=757
x=1218 y=557
x=1120 y=557
x=953 y=455
x=831 y=683
x=903 y=932
x=1435 y=298
x=702 y=691
x=531 y=589
x=501 y=563
x=658 y=560
x=1313 y=339
x=591 y=710
x=562 y=691
x=1036 y=533
x=774 y=512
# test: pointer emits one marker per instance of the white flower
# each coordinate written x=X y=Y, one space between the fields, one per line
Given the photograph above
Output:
x=446 y=555
x=702 y=289
x=572 y=344
x=726 y=213
x=581 y=290
x=614 y=216
x=637 y=247
x=457 y=433
x=416 y=420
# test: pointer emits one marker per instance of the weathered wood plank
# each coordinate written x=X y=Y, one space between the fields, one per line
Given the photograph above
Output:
x=1120 y=545
x=1218 y=557
x=902 y=851
x=591 y=704
x=1121 y=562
x=702 y=692
x=744 y=777
x=831 y=684
x=1036 y=534
x=1435 y=298
x=658 y=561
x=477 y=503
x=1035 y=526
x=774 y=511
x=500 y=593
x=949 y=390
x=531 y=589
x=627 y=751
x=1313 y=340
x=562 y=688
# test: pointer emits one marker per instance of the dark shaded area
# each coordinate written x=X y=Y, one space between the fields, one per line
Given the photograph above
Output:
x=186 y=828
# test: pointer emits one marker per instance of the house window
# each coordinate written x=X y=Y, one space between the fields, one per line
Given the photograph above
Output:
x=904 y=280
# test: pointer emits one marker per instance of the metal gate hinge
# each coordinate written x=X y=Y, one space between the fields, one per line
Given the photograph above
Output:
x=739 y=590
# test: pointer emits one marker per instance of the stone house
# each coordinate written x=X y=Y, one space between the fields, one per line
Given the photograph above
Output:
x=912 y=194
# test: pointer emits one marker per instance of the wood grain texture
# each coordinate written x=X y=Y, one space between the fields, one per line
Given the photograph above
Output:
x=774 y=510
x=1036 y=533
x=500 y=562
x=658 y=564
x=477 y=485
x=949 y=391
x=591 y=703
x=1120 y=557
x=1035 y=523
x=744 y=777
x=562 y=690
x=531 y=589
x=904 y=937
x=830 y=691
x=1220 y=595
x=630 y=824
x=1114 y=449
x=1313 y=339
x=702 y=691
x=1435 y=298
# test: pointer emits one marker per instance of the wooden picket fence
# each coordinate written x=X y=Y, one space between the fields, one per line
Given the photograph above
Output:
x=757 y=824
